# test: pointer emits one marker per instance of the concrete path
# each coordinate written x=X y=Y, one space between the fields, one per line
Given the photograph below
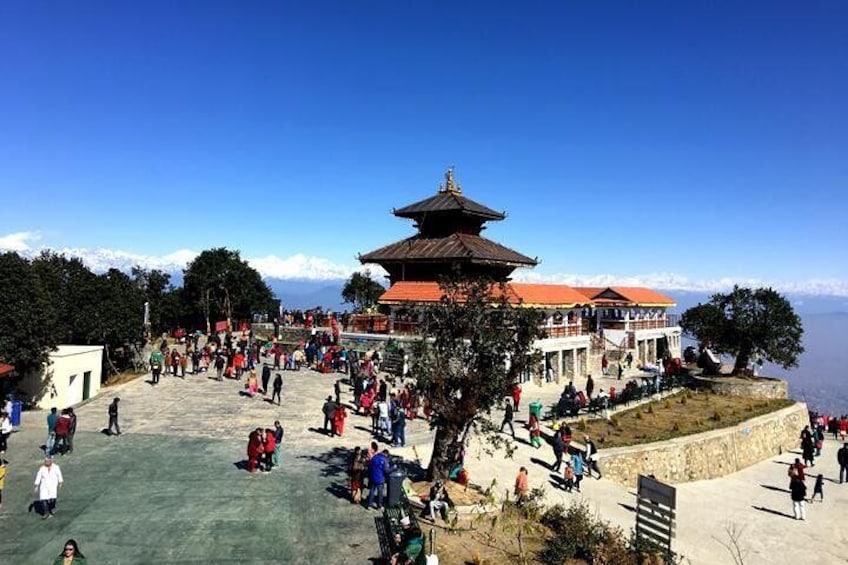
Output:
x=168 y=490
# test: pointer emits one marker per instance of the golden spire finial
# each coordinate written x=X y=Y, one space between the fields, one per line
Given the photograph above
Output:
x=450 y=182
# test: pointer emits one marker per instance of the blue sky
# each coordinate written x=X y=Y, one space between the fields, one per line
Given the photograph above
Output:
x=703 y=142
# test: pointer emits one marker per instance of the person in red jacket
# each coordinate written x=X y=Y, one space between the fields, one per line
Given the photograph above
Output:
x=254 y=449
x=516 y=396
x=269 y=446
x=62 y=430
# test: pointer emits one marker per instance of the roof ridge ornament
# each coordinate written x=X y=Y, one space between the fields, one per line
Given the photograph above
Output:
x=450 y=184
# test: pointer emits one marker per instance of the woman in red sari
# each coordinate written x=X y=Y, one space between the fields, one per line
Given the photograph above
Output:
x=255 y=448
x=339 y=415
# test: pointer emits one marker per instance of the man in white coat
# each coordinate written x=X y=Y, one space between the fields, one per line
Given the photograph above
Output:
x=48 y=479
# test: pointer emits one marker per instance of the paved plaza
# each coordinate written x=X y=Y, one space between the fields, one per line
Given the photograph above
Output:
x=168 y=490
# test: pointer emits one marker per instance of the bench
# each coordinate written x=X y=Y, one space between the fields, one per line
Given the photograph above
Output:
x=388 y=525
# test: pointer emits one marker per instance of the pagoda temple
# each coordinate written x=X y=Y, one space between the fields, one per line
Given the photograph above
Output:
x=582 y=325
x=448 y=238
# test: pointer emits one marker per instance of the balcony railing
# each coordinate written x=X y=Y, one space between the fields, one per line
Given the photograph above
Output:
x=564 y=330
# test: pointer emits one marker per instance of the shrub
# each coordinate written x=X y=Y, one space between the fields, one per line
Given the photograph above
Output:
x=650 y=408
x=683 y=399
x=675 y=427
x=667 y=403
x=614 y=421
x=639 y=415
x=582 y=425
x=716 y=416
x=578 y=534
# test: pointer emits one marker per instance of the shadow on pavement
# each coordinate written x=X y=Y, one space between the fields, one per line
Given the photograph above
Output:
x=778 y=489
x=775 y=512
x=334 y=461
x=627 y=507
x=537 y=461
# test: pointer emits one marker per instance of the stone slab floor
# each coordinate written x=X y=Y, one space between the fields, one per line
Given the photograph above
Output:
x=168 y=489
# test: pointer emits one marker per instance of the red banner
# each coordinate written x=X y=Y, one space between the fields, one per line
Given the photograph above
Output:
x=221 y=326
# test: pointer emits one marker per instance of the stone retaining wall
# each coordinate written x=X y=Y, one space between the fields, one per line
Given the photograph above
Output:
x=761 y=387
x=708 y=455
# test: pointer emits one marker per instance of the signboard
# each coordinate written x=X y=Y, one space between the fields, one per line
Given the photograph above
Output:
x=656 y=504
x=222 y=326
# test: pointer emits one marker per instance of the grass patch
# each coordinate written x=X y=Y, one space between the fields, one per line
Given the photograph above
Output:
x=682 y=414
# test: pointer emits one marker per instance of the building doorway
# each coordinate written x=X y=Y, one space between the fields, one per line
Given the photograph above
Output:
x=86 y=385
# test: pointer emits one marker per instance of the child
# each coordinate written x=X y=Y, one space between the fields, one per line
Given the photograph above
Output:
x=2 y=479
x=568 y=475
x=818 y=489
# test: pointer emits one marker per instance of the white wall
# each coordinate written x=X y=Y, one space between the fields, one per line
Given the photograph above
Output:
x=61 y=383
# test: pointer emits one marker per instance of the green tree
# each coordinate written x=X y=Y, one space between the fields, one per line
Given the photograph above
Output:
x=475 y=343
x=362 y=291
x=749 y=324
x=218 y=282
x=159 y=293
x=28 y=321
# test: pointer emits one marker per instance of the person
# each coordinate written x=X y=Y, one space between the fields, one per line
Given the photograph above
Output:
x=818 y=489
x=72 y=430
x=328 y=409
x=438 y=501
x=808 y=447
x=568 y=476
x=355 y=467
x=378 y=470
x=113 y=416
x=590 y=387
x=339 y=415
x=522 y=486
x=384 y=423
x=797 y=470
x=409 y=540
x=577 y=464
x=2 y=479
x=5 y=431
x=71 y=554
x=269 y=445
x=254 y=449
x=508 y=416
x=266 y=377
x=559 y=446
x=52 y=418
x=278 y=389
x=591 y=457
x=63 y=433
x=535 y=432
x=47 y=481
x=516 y=397
x=604 y=365
x=278 y=440
x=252 y=384
x=842 y=459
x=399 y=428
x=156 y=360
x=629 y=359
x=337 y=389
x=798 y=493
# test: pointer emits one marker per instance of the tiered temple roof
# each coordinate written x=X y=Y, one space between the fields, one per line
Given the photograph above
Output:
x=448 y=238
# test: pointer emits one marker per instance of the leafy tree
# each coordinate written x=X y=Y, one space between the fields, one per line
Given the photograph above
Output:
x=28 y=326
x=159 y=293
x=218 y=282
x=362 y=291
x=748 y=323
x=475 y=343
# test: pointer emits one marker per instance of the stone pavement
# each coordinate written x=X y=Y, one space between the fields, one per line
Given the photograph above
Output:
x=168 y=490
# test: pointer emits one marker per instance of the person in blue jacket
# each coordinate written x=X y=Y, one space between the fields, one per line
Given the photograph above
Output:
x=378 y=471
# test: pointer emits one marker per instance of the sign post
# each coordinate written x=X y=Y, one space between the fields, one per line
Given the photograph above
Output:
x=656 y=505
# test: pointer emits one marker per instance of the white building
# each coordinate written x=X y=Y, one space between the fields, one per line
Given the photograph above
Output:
x=71 y=375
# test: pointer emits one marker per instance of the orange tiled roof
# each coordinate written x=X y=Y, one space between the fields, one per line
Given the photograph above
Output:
x=626 y=295
x=541 y=295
